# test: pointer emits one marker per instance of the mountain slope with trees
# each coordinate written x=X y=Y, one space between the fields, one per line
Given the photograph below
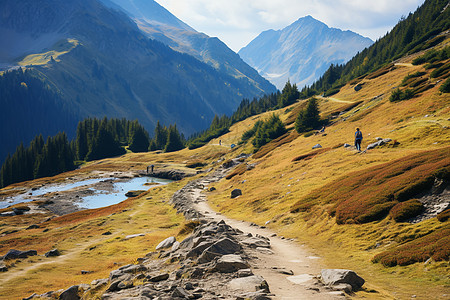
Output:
x=100 y=64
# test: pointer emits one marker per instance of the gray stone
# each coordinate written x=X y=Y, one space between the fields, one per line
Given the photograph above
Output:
x=158 y=278
x=70 y=294
x=3 y=268
x=230 y=263
x=317 y=146
x=249 y=284
x=134 y=235
x=337 y=276
x=347 y=145
x=175 y=246
x=235 y=193
x=180 y=293
x=167 y=243
x=53 y=252
x=221 y=247
x=255 y=242
x=244 y=273
x=14 y=254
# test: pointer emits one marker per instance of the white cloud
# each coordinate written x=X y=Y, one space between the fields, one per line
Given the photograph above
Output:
x=237 y=22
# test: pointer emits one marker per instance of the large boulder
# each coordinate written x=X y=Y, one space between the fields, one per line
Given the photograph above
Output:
x=70 y=294
x=256 y=242
x=14 y=254
x=230 y=263
x=221 y=247
x=235 y=193
x=333 y=277
x=249 y=284
x=53 y=252
x=167 y=243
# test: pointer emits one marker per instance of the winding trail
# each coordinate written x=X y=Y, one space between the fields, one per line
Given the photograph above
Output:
x=285 y=255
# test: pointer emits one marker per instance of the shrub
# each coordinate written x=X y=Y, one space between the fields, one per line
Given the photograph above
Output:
x=239 y=170
x=435 y=245
x=443 y=216
x=406 y=210
x=269 y=130
x=398 y=95
x=308 y=118
x=361 y=196
x=445 y=87
x=195 y=164
x=440 y=71
x=407 y=78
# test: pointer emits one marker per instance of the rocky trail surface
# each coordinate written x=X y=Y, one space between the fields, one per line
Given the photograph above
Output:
x=221 y=259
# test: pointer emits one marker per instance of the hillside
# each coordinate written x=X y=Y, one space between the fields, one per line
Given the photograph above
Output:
x=159 y=24
x=342 y=204
x=302 y=51
x=99 y=63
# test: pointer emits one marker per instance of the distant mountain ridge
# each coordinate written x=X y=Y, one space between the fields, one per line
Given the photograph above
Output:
x=302 y=51
x=159 y=24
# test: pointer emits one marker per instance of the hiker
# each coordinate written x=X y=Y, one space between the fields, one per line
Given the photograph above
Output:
x=220 y=142
x=358 y=139
x=151 y=167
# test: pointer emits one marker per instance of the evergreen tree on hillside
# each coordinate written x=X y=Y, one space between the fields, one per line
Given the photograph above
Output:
x=104 y=145
x=139 y=141
x=289 y=95
x=308 y=118
x=174 y=140
x=268 y=130
x=160 y=138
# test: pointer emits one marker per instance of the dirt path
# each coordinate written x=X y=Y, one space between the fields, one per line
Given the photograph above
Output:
x=286 y=256
x=334 y=99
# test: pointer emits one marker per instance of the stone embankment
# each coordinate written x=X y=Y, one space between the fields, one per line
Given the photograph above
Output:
x=216 y=261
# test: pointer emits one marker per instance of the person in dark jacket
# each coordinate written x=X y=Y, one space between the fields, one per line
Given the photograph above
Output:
x=358 y=139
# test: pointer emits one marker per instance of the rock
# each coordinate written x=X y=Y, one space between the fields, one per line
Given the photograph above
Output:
x=127 y=269
x=230 y=263
x=34 y=226
x=3 y=268
x=235 y=193
x=134 y=235
x=134 y=193
x=167 y=243
x=14 y=254
x=221 y=247
x=347 y=145
x=317 y=146
x=84 y=272
x=344 y=287
x=244 y=273
x=249 y=284
x=212 y=189
x=158 y=278
x=378 y=143
x=53 y=252
x=70 y=294
x=255 y=242
x=337 y=276
x=181 y=293
x=175 y=246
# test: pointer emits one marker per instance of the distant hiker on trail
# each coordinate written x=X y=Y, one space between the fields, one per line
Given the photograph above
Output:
x=220 y=142
x=151 y=168
x=358 y=139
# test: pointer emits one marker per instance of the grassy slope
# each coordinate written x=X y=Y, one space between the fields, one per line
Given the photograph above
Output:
x=79 y=236
x=269 y=192
x=277 y=183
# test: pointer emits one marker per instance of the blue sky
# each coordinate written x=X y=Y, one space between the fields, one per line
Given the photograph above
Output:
x=237 y=22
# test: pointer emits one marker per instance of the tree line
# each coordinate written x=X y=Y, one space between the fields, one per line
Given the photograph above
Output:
x=95 y=139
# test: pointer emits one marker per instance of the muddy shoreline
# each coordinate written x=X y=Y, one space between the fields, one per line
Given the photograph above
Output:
x=65 y=202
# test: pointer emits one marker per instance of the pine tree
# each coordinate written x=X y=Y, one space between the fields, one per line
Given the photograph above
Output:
x=174 y=141
x=308 y=118
x=139 y=140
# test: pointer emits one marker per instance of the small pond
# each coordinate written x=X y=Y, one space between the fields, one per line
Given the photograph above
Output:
x=100 y=198
x=105 y=198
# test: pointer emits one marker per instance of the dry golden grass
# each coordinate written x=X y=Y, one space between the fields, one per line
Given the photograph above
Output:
x=281 y=178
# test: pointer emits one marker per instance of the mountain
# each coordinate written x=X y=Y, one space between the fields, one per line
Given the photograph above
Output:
x=100 y=63
x=159 y=24
x=425 y=28
x=302 y=51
